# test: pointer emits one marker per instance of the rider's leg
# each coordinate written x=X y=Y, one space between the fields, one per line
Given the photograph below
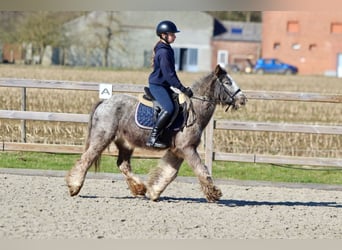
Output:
x=162 y=121
x=162 y=95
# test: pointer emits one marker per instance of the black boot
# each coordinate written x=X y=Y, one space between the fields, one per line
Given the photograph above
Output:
x=161 y=122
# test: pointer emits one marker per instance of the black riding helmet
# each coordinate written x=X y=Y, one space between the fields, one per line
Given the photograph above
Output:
x=166 y=27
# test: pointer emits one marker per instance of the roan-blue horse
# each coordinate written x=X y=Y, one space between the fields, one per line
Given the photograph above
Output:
x=113 y=120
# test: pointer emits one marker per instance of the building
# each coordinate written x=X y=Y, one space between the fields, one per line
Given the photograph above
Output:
x=133 y=37
x=312 y=41
x=125 y=39
x=11 y=53
x=239 y=47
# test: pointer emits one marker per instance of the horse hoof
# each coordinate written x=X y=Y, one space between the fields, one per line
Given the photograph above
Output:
x=137 y=188
x=74 y=190
x=74 y=182
x=152 y=197
x=214 y=194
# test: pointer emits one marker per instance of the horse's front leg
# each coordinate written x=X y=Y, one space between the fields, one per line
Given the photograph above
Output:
x=163 y=175
x=211 y=192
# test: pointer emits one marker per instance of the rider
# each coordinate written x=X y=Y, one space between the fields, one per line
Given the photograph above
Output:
x=162 y=78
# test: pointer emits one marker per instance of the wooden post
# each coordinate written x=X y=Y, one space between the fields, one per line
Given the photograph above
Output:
x=209 y=135
x=23 y=108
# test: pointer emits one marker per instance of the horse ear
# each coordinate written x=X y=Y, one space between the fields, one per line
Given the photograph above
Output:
x=218 y=70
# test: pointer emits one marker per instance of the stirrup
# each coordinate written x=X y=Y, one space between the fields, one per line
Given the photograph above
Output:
x=155 y=143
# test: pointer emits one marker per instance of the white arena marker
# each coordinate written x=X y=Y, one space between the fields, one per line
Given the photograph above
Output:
x=105 y=91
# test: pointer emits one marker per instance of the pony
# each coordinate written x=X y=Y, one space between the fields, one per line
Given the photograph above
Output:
x=113 y=120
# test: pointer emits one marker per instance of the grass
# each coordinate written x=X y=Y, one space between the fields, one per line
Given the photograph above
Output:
x=221 y=170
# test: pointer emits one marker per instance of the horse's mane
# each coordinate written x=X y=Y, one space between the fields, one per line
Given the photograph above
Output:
x=207 y=86
x=201 y=85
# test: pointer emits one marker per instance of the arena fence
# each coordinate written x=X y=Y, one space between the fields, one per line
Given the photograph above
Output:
x=207 y=152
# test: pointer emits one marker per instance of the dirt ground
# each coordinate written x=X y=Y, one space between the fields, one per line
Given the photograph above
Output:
x=36 y=205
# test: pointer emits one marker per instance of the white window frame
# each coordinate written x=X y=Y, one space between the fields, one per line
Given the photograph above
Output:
x=222 y=58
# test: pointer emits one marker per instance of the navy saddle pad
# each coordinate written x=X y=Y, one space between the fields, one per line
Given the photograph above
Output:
x=144 y=118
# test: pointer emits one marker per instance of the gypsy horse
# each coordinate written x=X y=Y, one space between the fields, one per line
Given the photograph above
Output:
x=113 y=120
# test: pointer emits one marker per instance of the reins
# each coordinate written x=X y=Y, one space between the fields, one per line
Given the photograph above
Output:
x=209 y=100
x=202 y=99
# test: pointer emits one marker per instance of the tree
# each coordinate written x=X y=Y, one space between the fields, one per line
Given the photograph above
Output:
x=39 y=28
x=8 y=24
x=105 y=30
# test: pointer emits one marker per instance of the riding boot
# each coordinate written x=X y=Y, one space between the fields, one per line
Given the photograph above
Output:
x=161 y=122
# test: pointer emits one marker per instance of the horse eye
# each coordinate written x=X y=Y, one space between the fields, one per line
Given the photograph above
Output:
x=228 y=82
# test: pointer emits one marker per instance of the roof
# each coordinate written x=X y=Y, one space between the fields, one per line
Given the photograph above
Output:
x=241 y=31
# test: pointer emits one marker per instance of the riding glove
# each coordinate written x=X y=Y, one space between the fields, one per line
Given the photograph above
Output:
x=188 y=92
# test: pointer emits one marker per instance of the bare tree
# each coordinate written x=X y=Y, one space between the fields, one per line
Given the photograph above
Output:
x=8 y=25
x=105 y=31
x=41 y=29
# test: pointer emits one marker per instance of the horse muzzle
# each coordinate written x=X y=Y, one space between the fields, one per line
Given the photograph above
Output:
x=239 y=100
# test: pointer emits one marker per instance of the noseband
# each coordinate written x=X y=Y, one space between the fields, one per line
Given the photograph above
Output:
x=232 y=98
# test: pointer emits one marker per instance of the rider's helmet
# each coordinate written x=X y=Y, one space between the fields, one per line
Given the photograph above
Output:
x=166 y=27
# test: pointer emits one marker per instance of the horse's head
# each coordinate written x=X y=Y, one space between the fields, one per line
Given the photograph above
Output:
x=227 y=92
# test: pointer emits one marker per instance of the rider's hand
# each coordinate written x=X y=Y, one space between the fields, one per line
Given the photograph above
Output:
x=188 y=92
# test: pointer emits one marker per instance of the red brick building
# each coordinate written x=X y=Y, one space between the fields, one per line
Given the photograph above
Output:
x=240 y=45
x=312 y=41
x=11 y=53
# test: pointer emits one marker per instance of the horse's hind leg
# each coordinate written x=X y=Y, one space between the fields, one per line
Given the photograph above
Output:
x=163 y=175
x=136 y=186
x=76 y=175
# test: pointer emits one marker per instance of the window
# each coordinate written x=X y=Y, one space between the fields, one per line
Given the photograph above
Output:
x=296 y=46
x=336 y=28
x=236 y=30
x=192 y=54
x=276 y=46
x=267 y=61
x=312 y=46
x=222 y=58
x=186 y=59
x=292 y=26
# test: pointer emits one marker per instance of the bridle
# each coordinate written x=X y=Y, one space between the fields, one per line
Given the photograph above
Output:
x=231 y=96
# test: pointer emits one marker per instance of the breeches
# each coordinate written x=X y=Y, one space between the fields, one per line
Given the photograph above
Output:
x=163 y=96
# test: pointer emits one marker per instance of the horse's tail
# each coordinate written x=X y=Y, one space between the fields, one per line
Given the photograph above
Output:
x=97 y=160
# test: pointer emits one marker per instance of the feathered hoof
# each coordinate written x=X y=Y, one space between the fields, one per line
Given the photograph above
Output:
x=213 y=194
x=137 y=188
x=74 y=183
x=152 y=195
x=74 y=190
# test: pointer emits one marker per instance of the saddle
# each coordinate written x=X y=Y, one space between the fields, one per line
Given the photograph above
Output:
x=149 y=109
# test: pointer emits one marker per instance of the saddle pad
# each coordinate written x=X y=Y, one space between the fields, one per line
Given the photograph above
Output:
x=144 y=118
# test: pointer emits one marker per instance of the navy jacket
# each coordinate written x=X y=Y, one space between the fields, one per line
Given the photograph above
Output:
x=164 y=72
